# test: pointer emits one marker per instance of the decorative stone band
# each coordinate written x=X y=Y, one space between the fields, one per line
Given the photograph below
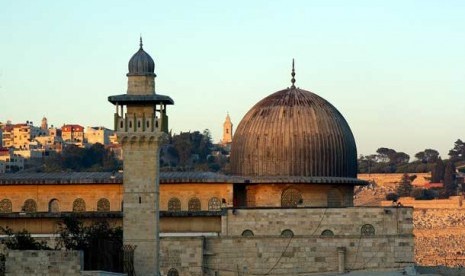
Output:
x=153 y=138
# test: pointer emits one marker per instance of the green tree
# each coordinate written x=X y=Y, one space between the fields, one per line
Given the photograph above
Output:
x=458 y=152
x=101 y=243
x=21 y=240
x=74 y=158
x=449 y=179
x=437 y=174
x=404 y=187
x=427 y=156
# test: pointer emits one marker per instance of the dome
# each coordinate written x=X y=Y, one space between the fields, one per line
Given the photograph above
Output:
x=141 y=63
x=294 y=132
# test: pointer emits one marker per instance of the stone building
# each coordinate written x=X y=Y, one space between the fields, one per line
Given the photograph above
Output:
x=287 y=208
x=100 y=135
x=72 y=133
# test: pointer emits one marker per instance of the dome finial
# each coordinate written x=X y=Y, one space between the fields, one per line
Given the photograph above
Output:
x=140 y=41
x=293 y=75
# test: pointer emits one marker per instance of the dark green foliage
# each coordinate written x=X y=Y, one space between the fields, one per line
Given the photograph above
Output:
x=21 y=240
x=423 y=194
x=192 y=149
x=74 y=235
x=437 y=174
x=458 y=152
x=74 y=158
x=405 y=186
x=450 y=184
x=427 y=156
x=101 y=244
x=392 y=196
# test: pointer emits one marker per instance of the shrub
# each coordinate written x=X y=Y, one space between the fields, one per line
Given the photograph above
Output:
x=392 y=196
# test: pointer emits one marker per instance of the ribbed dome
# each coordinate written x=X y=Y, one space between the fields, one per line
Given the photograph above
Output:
x=294 y=132
x=141 y=63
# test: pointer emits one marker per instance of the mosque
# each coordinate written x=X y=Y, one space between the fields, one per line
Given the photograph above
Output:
x=286 y=208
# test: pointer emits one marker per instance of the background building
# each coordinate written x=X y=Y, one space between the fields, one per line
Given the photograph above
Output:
x=72 y=134
x=100 y=135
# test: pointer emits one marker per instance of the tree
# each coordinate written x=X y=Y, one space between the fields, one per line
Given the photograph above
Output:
x=74 y=158
x=392 y=196
x=386 y=155
x=427 y=156
x=399 y=158
x=101 y=243
x=458 y=152
x=405 y=186
x=437 y=174
x=189 y=144
x=449 y=179
x=22 y=240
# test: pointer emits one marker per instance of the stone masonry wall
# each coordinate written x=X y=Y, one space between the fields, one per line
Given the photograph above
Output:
x=312 y=221
x=453 y=202
x=184 y=254
x=390 y=246
x=303 y=254
x=42 y=262
x=232 y=256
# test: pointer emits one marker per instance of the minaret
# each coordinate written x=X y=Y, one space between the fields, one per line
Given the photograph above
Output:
x=227 y=130
x=141 y=130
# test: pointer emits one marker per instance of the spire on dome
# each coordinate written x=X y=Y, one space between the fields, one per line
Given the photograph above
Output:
x=293 y=75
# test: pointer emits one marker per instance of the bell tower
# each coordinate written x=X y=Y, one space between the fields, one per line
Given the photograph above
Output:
x=141 y=124
x=227 y=130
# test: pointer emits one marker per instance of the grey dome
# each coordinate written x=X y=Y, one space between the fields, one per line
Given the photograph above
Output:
x=141 y=64
x=294 y=132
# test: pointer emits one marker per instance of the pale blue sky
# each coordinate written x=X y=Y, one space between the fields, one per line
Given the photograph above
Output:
x=394 y=69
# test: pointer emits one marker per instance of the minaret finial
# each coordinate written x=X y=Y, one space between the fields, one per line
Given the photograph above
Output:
x=140 y=43
x=293 y=75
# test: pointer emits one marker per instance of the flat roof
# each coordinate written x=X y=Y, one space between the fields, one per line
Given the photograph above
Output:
x=165 y=178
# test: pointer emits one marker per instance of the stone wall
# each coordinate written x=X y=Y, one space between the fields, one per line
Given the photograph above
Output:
x=315 y=195
x=43 y=262
x=393 y=178
x=204 y=192
x=313 y=221
x=65 y=194
x=183 y=254
x=453 y=202
x=306 y=251
x=281 y=255
x=304 y=254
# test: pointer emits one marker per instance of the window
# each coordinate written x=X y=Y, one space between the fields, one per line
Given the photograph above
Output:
x=247 y=233
x=173 y=272
x=5 y=206
x=174 y=205
x=327 y=233
x=291 y=198
x=30 y=206
x=53 y=206
x=214 y=204
x=79 y=205
x=194 y=204
x=103 y=205
x=287 y=233
x=368 y=230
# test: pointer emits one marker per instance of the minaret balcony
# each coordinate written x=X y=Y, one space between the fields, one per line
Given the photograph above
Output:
x=132 y=123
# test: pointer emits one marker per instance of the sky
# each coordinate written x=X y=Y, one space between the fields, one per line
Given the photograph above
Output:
x=394 y=69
